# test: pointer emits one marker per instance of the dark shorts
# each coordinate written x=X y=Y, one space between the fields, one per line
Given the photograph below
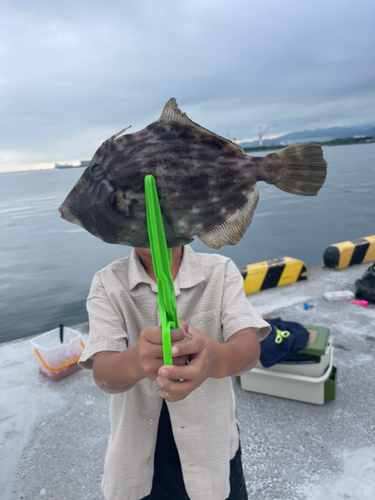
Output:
x=167 y=466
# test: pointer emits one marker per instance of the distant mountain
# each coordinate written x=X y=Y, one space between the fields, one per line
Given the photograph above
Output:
x=370 y=132
x=317 y=135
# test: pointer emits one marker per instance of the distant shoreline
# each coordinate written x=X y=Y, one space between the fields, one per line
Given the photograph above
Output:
x=336 y=142
x=42 y=170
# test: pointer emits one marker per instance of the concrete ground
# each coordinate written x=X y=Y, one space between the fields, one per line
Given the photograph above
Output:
x=53 y=435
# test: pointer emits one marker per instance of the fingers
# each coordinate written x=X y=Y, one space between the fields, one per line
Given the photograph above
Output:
x=180 y=360
x=179 y=335
x=192 y=375
x=153 y=334
x=172 y=399
x=174 y=391
x=169 y=373
x=150 y=348
x=190 y=346
x=176 y=382
x=184 y=326
x=150 y=351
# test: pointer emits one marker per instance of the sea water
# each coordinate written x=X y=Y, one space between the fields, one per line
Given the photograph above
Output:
x=47 y=264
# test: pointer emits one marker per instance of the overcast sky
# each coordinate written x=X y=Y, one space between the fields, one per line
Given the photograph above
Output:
x=73 y=73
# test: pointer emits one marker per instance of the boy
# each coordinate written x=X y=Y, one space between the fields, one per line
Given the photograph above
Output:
x=181 y=442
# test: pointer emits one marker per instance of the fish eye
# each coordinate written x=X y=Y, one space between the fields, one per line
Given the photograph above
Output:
x=97 y=172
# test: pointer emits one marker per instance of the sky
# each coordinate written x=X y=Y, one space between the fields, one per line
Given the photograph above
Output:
x=74 y=73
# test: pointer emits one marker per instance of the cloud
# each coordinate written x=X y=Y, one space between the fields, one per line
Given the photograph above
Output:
x=73 y=73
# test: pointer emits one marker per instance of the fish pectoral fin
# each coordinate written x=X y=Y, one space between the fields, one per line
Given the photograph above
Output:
x=232 y=230
x=171 y=112
x=121 y=203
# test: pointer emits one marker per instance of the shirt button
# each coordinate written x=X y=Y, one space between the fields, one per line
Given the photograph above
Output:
x=148 y=461
x=150 y=421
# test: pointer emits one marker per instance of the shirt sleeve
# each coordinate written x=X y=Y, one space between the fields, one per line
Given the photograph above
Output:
x=237 y=312
x=107 y=331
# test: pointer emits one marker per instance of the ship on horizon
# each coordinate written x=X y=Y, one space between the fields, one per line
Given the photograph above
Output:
x=84 y=163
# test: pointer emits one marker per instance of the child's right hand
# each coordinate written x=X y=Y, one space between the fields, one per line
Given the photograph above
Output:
x=150 y=349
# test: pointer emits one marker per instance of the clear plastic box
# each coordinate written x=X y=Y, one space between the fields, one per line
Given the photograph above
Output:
x=56 y=360
x=341 y=295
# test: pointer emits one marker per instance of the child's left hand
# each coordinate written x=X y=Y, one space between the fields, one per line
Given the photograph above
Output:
x=203 y=354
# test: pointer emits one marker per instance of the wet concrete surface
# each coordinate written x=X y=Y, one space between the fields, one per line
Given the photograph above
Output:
x=53 y=435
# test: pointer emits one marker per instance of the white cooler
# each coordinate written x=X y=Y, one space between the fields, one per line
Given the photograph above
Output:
x=306 y=382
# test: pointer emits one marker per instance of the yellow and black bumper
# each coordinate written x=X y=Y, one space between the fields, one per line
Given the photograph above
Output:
x=272 y=273
x=348 y=253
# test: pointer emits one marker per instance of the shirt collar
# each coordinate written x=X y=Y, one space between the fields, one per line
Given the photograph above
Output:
x=189 y=274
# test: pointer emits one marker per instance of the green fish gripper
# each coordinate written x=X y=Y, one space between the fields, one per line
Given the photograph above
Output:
x=161 y=261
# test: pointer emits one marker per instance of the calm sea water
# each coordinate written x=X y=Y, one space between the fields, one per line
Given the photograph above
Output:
x=47 y=264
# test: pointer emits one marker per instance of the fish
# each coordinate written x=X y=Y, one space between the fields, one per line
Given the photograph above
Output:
x=207 y=185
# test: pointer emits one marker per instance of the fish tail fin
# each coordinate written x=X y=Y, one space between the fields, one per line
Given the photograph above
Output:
x=303 y=171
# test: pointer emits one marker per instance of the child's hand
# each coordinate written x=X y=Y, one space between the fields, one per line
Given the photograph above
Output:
x=203 y=358
x=150 y=349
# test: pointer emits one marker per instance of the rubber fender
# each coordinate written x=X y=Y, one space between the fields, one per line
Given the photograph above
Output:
x=272 y=273
x=348 y=253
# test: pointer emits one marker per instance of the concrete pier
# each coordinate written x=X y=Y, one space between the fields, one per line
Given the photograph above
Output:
x=53 y=435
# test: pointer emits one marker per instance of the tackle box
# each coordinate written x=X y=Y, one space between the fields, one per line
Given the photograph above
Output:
x=317 y=341
x=306 y=381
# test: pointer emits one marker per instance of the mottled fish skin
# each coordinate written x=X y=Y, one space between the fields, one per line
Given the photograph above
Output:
x=206 y=184
x=201 y=182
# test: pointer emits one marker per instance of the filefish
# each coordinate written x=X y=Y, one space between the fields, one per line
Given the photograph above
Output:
x=207 y=185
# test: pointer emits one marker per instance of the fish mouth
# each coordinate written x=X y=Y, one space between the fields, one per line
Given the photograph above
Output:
x=60 y=210
x=67 y=215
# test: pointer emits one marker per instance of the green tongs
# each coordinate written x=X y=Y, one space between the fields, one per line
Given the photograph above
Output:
x=162 y=261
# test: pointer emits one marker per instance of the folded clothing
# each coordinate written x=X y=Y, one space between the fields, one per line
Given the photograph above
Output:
x=298 y=357
x=271 y=352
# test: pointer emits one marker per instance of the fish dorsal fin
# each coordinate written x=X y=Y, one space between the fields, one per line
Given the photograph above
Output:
x=113 y=137
x=171 y=112
x=232 y=230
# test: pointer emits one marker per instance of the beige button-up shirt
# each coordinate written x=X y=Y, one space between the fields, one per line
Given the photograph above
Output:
x=121 y=303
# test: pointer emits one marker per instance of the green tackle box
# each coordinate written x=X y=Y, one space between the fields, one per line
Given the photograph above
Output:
x=318 y=340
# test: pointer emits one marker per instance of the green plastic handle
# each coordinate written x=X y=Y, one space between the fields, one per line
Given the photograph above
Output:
x=281 y=335
x=161 y=261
